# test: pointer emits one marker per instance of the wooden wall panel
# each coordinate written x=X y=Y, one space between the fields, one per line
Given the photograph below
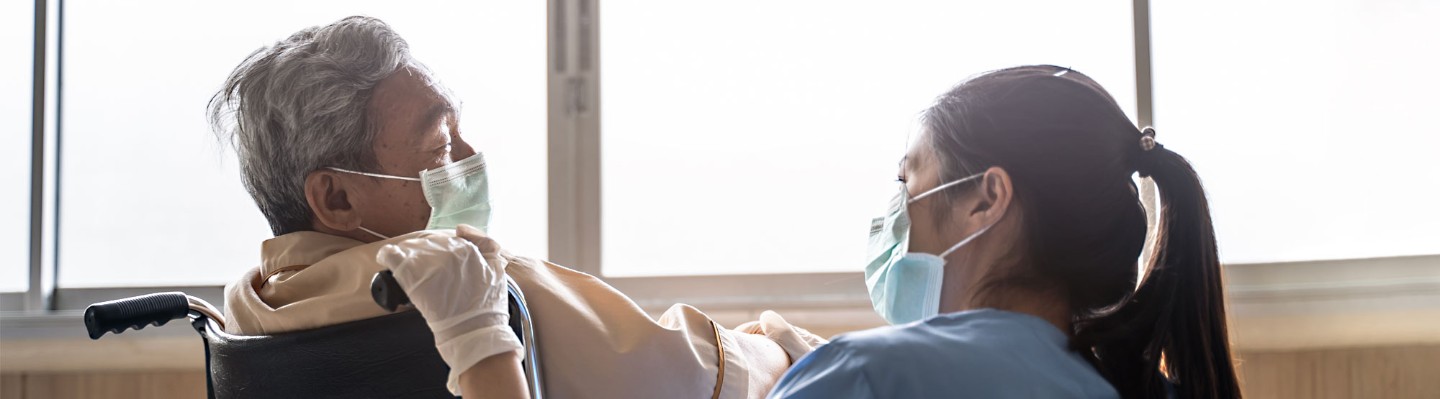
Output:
x=1384 y=372
x=117 y=385
x=1388 y=372
x=12 y=386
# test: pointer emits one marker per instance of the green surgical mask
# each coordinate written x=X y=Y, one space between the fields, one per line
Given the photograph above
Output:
x=905 y=286
x=458 y=193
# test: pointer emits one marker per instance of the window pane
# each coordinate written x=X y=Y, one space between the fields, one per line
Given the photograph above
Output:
x=1312 y=122
x=150 y=198
x=17 y=33
x=762 y=136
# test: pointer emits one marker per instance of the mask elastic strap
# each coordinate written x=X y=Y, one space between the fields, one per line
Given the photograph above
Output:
x=373 y=233
x=963 y=242
x=942 y=187
x=373 y=175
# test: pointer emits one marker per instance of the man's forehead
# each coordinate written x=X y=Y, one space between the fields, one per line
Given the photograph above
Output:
x=408 y=101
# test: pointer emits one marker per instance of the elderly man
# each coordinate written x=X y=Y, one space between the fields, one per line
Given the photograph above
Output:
x=352 y=151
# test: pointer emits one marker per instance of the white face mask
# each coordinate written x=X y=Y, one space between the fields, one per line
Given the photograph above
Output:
x=458 y=193
x=905 y=286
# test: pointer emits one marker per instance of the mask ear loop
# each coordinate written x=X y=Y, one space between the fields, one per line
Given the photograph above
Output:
x=937 y=189
x=945 y=186
x=362 y=228
x=965 y=241
x=373 y=233
x=373 y=175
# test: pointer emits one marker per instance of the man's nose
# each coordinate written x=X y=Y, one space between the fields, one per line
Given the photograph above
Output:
x=459 y=149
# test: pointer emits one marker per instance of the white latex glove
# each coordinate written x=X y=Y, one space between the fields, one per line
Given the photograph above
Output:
x=462 y=297
x=796 y=341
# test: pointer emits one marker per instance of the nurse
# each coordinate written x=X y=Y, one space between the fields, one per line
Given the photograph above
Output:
x=1008 y=261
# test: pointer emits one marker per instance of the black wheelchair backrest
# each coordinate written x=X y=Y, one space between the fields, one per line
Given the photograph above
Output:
x=391 y=356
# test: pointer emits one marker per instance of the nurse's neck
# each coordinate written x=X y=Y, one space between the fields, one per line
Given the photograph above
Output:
x=1046 y=304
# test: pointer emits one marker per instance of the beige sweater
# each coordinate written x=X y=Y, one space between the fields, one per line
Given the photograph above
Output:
x=595 y=342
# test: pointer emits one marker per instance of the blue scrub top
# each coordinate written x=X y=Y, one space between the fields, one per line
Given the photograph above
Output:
x=983 y=353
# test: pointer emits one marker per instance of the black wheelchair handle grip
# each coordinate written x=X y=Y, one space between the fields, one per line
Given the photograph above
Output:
x=387 y=292
x=135 y=312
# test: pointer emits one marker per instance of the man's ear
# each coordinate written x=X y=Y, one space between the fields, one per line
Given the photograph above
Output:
x=996 y=194
x=330 y=197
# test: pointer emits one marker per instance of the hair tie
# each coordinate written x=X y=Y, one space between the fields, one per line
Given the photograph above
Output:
x=1147 y=143
x=1147 y=139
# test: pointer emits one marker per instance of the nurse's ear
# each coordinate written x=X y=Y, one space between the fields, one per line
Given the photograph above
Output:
x=995 y=194
x=332 y=201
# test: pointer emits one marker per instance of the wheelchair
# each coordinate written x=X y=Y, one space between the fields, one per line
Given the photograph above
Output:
x=391 y=356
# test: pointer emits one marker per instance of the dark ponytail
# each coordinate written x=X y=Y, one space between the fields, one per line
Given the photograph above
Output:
x=1072 y=153
x=1176 y=318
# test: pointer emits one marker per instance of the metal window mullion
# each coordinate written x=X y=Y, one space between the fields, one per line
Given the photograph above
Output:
x=1144 y=83
x=40 y=293
x=573 y=143
x=1145 y=113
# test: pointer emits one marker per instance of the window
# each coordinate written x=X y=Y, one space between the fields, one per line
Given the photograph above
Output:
x=17 y=30
x=761 y=136
x=742 y=139
x=149 y=197
x=1312 y=123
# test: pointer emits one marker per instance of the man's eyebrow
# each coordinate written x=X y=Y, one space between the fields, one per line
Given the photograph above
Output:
x=433 y=115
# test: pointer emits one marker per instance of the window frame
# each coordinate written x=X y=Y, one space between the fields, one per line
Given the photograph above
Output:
x=574 y=202
x=575 y=182
x=40 y=292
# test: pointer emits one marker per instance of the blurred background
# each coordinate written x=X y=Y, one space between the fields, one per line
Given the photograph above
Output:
x=730 y=155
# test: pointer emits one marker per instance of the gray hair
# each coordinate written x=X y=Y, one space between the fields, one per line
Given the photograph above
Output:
x=300 y=105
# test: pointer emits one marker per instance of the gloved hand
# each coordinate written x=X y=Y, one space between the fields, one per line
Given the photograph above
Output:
x=488 y=247
x=796 y=341
x=462 y=296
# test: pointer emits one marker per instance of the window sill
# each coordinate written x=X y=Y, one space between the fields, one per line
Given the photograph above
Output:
x=1273 y=307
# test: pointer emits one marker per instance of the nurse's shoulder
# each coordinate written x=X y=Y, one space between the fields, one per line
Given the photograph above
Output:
x=983 y=353
x=936 y=357
x=970 y=346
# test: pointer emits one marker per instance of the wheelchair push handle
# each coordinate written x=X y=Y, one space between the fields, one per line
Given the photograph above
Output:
x=387 y=292
x=135 y=312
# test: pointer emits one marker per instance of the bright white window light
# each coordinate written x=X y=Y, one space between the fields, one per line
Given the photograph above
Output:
x=761 y=136
x=1312 y=123
x=150 y=198
x=17 y=30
